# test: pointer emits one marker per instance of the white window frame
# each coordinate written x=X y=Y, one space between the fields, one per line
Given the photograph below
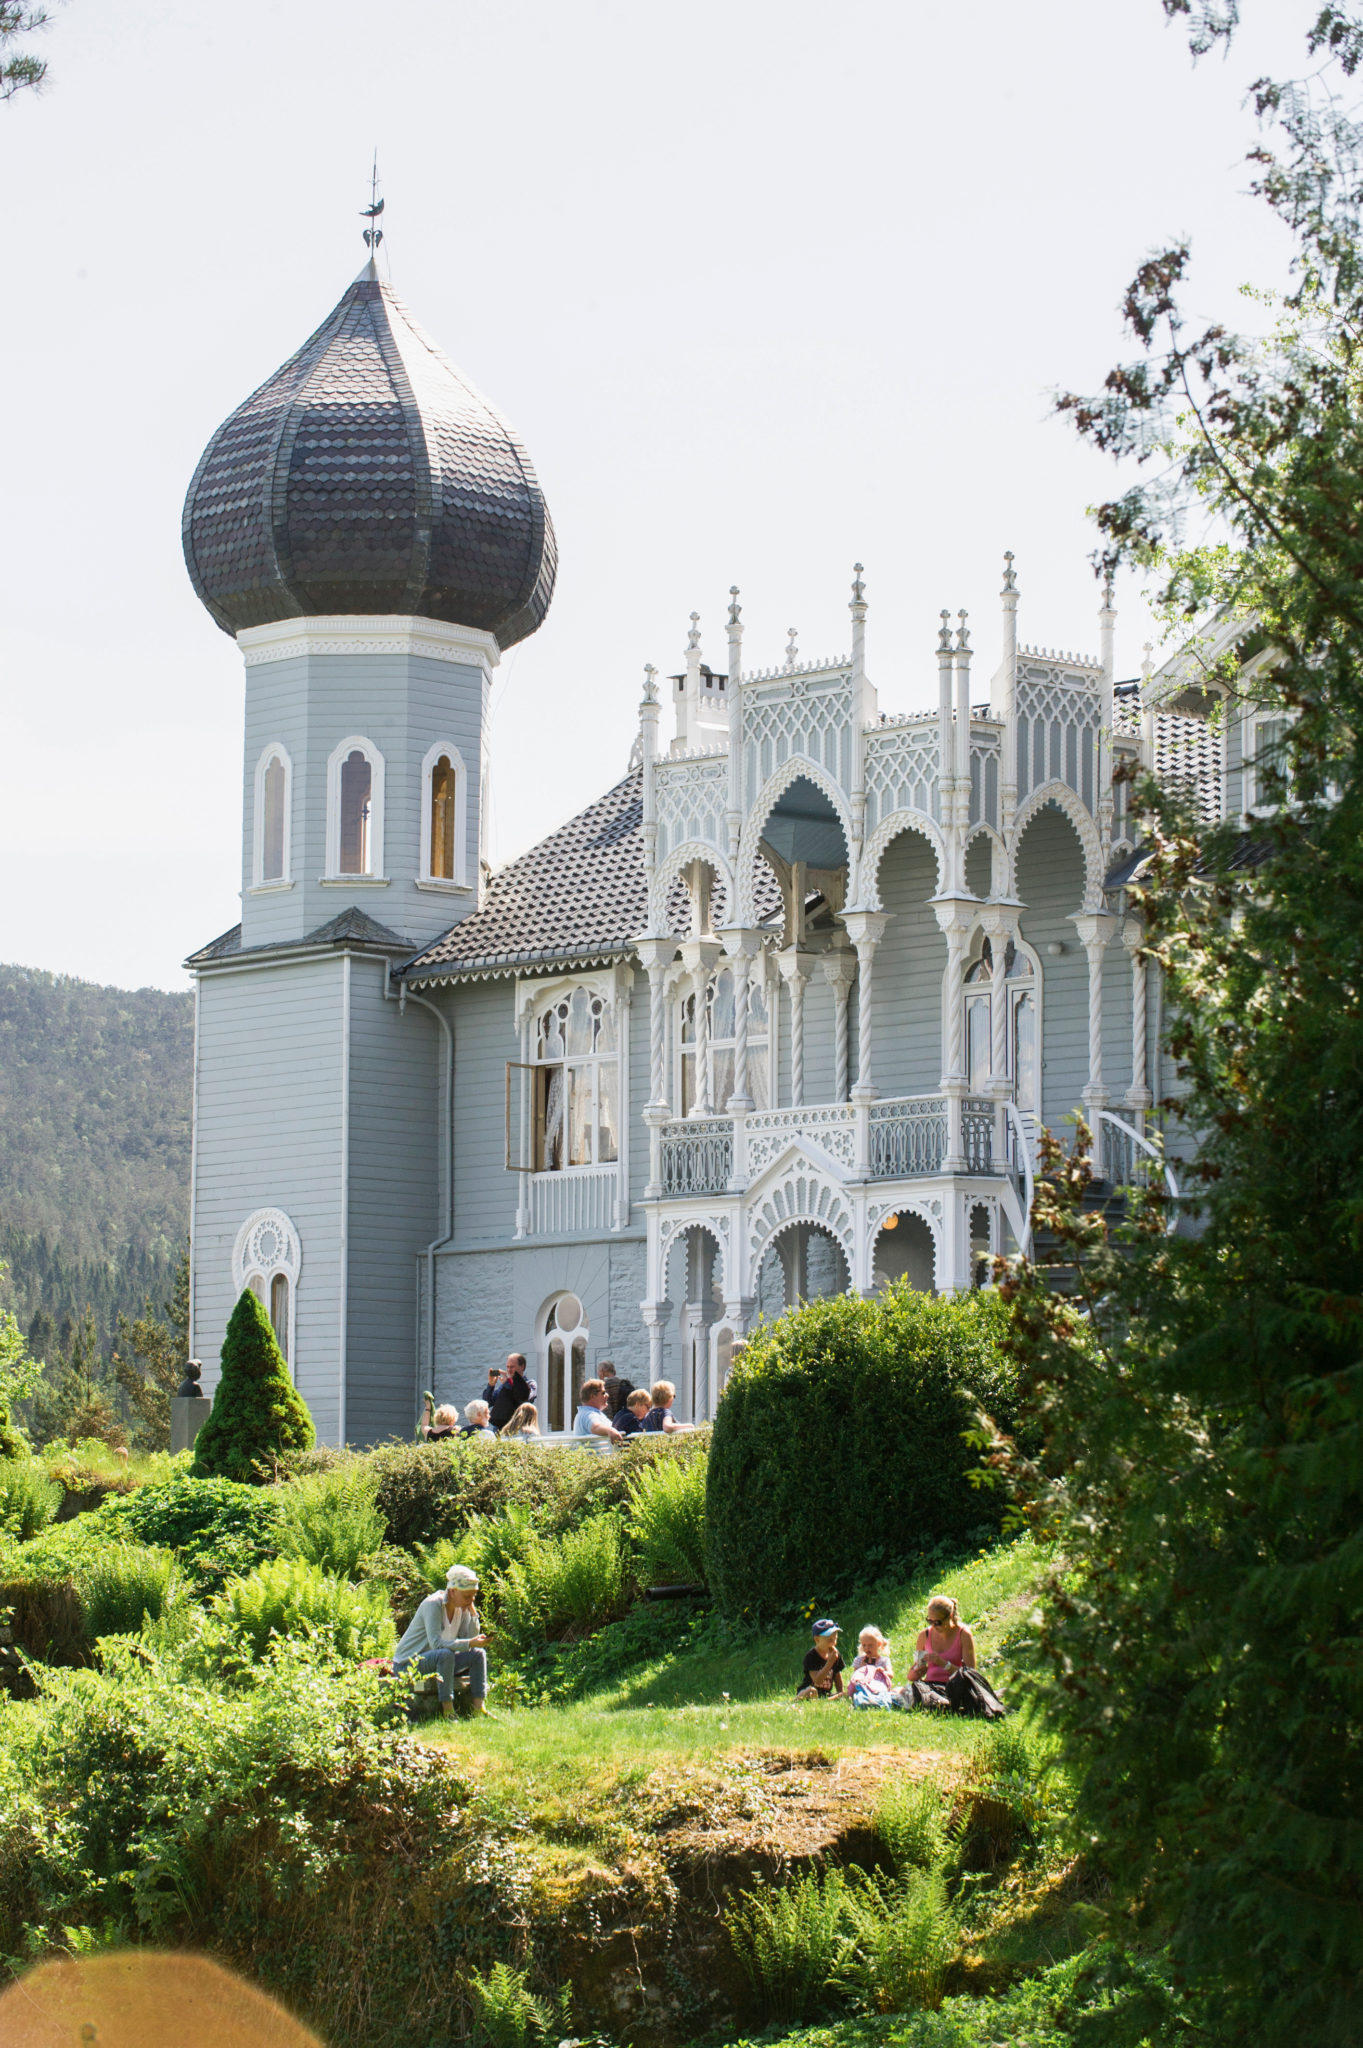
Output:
x=550 y=1368
x=607 y=996
x=275 y=751
x=1257 y=805
x=459 y=880
x=375 y=878
x=974 y=991
x=252 y=1268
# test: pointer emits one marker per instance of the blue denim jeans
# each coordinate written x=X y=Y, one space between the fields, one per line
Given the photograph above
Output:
x=447 y=1665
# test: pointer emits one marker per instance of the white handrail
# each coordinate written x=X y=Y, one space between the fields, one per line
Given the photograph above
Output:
x=1139 y=1138
x=1024 y=1153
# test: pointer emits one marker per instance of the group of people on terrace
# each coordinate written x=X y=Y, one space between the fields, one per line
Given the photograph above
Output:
x=610 y=1409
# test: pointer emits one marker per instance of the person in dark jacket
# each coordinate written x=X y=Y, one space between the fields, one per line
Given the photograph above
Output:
x=512 y=1391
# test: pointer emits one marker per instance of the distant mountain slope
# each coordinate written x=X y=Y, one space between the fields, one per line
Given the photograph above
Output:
x=94 y=1139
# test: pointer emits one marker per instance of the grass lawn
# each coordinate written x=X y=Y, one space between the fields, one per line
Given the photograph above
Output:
x=703 y=1703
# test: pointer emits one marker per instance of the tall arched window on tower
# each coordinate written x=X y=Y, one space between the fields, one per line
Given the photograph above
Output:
x=355 y=812
x=443 y=817
x=266 y=1258
x=274 y=776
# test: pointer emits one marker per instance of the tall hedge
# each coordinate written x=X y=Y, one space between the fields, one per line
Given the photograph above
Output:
x=839 y=1444
x=258 y=1413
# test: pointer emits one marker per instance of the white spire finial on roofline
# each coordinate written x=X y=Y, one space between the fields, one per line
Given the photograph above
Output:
x=792 y=650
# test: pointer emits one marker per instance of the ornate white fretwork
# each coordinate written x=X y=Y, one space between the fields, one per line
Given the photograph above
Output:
x=800 y=1196
x=901 y=771
x=831 y=1126
x=794 y=717
x=1059 y=716
x=690 y=798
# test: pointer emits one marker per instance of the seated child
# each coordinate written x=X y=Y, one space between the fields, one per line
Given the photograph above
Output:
x=823 y=1666
x=630 y=1420
x=872 y=1680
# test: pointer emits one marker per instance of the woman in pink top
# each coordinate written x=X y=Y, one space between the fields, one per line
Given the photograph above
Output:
x=945 y=1646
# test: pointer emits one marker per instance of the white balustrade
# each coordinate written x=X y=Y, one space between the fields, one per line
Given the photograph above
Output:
x=576 y=1199
x=697 y=1154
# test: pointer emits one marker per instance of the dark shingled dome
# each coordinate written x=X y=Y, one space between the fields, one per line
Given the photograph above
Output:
x=368 y=475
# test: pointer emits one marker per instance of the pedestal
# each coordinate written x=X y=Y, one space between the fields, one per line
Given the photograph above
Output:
x=188 y=1414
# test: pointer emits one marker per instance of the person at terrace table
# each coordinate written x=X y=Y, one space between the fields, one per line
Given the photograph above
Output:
x=446 y=1637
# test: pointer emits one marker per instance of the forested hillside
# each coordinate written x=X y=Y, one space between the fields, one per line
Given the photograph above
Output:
x=94 y=1146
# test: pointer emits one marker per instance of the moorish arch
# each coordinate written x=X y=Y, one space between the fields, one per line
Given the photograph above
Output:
x=876 y=847
x=986 y=863
x=906 y=1244
x=1059 y=796
x=811 y=835
x=801 y=1195
x=675 y=868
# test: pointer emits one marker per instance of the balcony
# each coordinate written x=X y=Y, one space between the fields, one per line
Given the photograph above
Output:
x=906 y=1140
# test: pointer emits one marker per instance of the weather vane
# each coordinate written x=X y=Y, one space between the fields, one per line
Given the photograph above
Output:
x=373 y=234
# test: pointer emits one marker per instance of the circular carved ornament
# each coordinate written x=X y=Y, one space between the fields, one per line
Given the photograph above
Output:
x=267 y=1243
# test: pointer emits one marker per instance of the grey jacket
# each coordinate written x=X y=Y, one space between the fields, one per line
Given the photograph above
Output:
x=423 y=1631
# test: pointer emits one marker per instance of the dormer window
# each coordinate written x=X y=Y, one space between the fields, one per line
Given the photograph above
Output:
x=355 y=812
x=444 y=826
x=274 y=778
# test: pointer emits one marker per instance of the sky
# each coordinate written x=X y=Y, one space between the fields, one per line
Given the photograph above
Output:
x=767 y=288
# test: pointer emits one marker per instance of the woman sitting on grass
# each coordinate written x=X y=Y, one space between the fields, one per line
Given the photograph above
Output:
x=445 y=1636
x=944 y=1676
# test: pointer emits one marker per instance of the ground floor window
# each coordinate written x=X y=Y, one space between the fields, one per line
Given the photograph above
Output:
x=563 y=1360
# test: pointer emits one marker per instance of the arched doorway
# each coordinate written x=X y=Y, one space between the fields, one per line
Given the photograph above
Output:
x=562 y=1353
x=694 y=1280
x=905 y=1250
x=803 y=1262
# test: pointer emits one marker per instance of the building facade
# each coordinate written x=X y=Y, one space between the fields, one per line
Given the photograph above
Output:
x=780 y=1014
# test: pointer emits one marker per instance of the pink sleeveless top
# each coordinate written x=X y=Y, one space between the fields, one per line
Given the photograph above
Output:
x=943 y=1664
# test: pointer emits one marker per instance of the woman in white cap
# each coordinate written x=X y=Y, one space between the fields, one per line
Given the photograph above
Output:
x=445 y=1636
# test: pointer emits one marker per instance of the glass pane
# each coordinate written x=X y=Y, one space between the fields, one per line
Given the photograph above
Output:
x=605 y=1026
x=757 y=1076
x=279 y=1312
x=1017 y=966
x=979 y=972
x=721 y=1077
x=688 y=1021
x=549 y=1150
x=688 y=1083
x=551 y=1033
x=578 y=1032
x=272 y=852
x=556 y=1386
x=722 y=1005
x=579 y=1116
x=757 y=1006
x=607 y=1112
x=579 y=1369
x=356 y=784
x=977 y=1042
x=442 y=820
x=1024 y=1051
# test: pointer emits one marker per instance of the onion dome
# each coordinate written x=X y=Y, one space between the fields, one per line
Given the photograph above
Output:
x=368 y=475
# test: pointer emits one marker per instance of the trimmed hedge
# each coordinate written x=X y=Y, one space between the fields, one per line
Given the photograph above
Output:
x=839 y=1444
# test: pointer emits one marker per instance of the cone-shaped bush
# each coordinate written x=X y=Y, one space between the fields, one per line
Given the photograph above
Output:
x=257 y=1410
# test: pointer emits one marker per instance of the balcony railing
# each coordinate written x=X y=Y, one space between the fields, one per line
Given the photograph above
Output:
x=697 y=1155
x=908 y=1136
x=579 y=1198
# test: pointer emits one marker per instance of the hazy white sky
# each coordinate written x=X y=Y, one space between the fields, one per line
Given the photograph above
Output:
x=766 y=286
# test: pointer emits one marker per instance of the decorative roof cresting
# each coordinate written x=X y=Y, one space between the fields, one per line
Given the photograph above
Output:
x=367 y=475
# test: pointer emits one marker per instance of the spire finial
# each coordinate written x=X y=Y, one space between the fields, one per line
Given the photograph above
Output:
x=373 y=234
x=650 y=683
x=1107 y=591
x=693 y=637
x=963 y=636
x=735 y=609
x=858 y=587
x=792 y=651
x=944 y=637
x=1010 y=581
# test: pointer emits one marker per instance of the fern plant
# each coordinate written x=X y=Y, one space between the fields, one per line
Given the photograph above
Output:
x=330 y=1520
x=667 y=1520
x=28 y=1498
x=126 y=1586
x=794 y=1945
x=507 y=2013
x=563 y=1588
x=912 y=1821
x=905 y=1938
x=287 y=1596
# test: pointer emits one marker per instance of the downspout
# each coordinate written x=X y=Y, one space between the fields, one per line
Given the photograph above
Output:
x=190 y=1334
x=344 y=1233
x=402 y=995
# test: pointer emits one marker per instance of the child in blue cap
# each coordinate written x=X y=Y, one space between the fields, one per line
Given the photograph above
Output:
x=822 y=1678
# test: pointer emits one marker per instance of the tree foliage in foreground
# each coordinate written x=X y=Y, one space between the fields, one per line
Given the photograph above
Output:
x=20 y=69
x=1202 y=1395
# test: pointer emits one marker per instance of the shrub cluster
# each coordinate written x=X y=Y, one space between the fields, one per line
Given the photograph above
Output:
x=840 y=1444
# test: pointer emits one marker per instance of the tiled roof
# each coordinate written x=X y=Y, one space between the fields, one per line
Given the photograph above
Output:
x=348 y=927
x=368 y=475
x=1190 y=753
x=580 y=894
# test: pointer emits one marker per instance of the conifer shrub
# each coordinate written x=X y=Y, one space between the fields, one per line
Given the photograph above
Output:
x=840 y=1449
x=258 y=1413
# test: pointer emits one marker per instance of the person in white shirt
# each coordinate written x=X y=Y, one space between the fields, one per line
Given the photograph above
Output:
x=445 y=1636
x=591 y=1419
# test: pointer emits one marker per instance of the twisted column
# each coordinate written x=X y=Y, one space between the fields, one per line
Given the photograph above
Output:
x=795 y=972
x=1138 y=1094
x=1095 y=928
x=837 y=972
x=865 y=928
